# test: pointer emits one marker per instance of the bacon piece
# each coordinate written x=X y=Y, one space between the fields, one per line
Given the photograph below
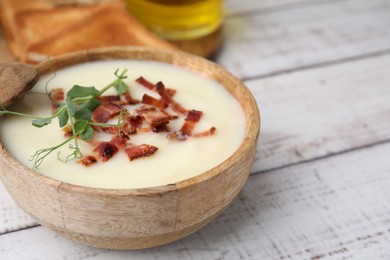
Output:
x=137 y=151
x=88 y=160
x=57 y=94
x=54 y=107
x=106 y=150
x=133 y=124
x=147 y=84
x=154 y=117
x=126 y=129
x=180 y=136
x=105 y=112
x=68 y=131
x=192 y=118
x=118 y=100
x=119 y=140
x=177 y=135
x=149 y=100
x=209 y=132
x=171 y=92
x=188 y=126
x=161 y=90
x=126 y=97
x=108 y=129
x=110 y=99
x=135 y=121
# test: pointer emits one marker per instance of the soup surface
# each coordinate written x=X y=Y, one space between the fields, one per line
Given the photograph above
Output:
x=174 y=161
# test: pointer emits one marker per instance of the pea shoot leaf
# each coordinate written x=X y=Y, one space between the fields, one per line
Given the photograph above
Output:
x=71 y=107
x=121 y=87
x=41 y=122
x=80 y=125
x=80 y=92
x=91 y=104
x=83 y=114
x=63 y=117
x=87 y=134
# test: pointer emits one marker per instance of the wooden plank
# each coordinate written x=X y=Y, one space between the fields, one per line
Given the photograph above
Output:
x=11 y=216
x=318 y=112
x=336 y=208
x=234 y=7
x=267 y=43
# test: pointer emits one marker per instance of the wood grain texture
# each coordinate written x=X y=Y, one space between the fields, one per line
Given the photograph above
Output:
x=260 y=44
x=300 y=212
x=12 y=217
x=233 y=7
x=318 y=112
x=15 y=80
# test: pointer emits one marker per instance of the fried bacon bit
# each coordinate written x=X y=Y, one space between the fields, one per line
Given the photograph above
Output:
x=110 y=99
x=88 y=160
x=149 y=100
x=106 y=150
x=108 y=129
x=129 y=99
x=161 y=90
x=170 y=92
x=118 y=100
x=119 y=140
x=135 y=121
x=192 y=118
x=57 y=94
x=68 y=131
x=147 y=84
x=105 y=112
x=188 y=126
x=180 y=136
x=209 y=132
x=137 y=151
x=157 y=119
x=136 y=124
x=133 y=124
x=177 y=135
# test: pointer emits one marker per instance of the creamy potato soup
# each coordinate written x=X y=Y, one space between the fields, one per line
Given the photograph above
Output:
x=175 y=160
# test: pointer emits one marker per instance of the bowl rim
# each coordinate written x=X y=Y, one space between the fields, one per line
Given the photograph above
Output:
x=110 y=53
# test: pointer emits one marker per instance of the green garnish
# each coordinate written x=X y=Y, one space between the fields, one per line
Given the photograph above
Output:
x=76 y=111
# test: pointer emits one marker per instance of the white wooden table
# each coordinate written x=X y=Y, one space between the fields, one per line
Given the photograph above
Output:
x=320 y=186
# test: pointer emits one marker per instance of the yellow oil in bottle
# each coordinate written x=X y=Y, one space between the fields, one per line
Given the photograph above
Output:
x=178 y=19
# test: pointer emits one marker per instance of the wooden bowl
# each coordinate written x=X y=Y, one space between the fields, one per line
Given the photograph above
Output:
x=136 y=218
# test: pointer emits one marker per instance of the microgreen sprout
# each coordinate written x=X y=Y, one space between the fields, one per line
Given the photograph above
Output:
x=75 y=111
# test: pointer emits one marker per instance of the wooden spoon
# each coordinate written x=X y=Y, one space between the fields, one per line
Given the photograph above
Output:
x=15 y=80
